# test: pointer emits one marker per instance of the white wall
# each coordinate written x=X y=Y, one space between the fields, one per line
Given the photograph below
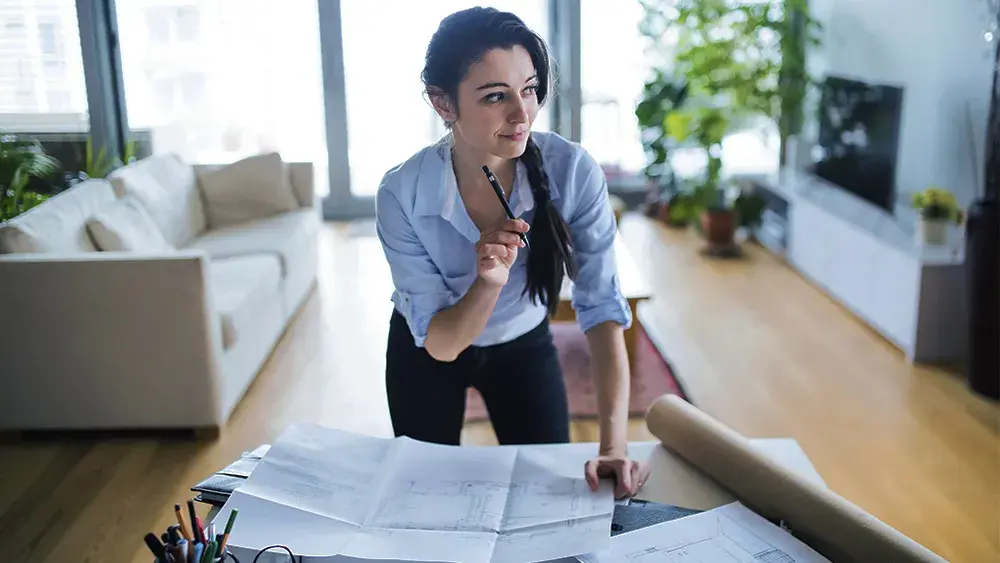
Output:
x=936 y=51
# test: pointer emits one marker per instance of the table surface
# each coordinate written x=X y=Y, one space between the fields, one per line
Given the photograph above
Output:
x=633 y=284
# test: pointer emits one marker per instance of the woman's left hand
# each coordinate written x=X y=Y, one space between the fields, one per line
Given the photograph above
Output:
x=630 y=475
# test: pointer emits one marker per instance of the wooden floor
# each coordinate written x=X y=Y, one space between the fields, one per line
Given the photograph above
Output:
x=755 y=345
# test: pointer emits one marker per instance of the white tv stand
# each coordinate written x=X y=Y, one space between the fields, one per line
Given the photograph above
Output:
x=868 y=260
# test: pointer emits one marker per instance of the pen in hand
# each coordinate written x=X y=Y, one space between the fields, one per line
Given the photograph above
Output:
x=503 y=200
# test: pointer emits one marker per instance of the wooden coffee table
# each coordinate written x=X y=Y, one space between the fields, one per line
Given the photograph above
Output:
x=633 y=286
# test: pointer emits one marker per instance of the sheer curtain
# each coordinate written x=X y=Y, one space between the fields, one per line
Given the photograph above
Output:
x=388 y=117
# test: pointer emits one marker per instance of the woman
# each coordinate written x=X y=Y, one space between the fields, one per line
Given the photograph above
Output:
x=471 y=300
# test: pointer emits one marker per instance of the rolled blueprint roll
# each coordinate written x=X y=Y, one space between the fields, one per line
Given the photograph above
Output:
x=830 y=524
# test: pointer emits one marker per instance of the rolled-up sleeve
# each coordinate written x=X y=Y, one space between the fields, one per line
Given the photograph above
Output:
x=597 y=295
x=420 y=289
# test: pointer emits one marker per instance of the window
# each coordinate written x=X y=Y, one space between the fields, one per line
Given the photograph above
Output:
x=157 y=25
x=186 y=19
x=192 y=89
x=48 y=38
x=41 y=68
x=388 y=116
x=59 y=101
x=615 y=64
x=241 y=77
x=613 y=70
x=14 y=24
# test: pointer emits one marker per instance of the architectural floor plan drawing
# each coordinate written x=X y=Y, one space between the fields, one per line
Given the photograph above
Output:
x=339 y=493
x=539 y=496
x=729 y=534
x=472 y=506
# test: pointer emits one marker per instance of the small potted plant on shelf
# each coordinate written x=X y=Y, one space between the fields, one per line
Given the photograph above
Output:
x=938 y=208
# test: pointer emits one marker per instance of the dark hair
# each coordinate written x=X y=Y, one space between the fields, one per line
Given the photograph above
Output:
x=462 y=39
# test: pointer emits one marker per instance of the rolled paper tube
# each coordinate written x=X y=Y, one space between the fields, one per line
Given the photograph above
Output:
x=830 y=524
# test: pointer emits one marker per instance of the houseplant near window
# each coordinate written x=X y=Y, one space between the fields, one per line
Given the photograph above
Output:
x=706 y=125
x=661 y=95
x=22 y=160
x=739 y=63
x=938 y=208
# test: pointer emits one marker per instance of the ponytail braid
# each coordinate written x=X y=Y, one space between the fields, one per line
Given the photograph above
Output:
x=551 y=254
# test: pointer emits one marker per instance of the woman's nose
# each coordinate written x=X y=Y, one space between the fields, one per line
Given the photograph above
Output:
x=518 y=112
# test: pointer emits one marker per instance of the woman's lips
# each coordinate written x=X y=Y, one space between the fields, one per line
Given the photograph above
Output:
x=516 y=136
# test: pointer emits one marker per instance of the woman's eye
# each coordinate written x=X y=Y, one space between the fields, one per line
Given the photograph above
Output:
x=494 y=97
x=530 y=90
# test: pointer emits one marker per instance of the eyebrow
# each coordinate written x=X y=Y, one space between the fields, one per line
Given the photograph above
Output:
x=503 y=84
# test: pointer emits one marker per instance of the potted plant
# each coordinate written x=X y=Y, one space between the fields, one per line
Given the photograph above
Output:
x=22 y=160
x=705 y=125
x=739 y=63
x=661 y=94
x=938 y=208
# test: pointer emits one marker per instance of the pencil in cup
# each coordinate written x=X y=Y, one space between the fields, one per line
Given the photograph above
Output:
x=189 y=543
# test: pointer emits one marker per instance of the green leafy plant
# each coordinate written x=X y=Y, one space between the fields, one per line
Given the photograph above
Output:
x=22 y=159
x=661 y=95
x=748 y=56
x=938 y=204
x=740 y=64
x=99 y=165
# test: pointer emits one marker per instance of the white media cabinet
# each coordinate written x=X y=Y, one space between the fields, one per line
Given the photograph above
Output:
x=869 y=261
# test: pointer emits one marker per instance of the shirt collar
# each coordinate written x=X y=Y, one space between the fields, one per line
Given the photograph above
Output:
x=438 y=194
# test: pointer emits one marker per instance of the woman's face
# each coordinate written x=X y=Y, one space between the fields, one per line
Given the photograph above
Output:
x=497 y=103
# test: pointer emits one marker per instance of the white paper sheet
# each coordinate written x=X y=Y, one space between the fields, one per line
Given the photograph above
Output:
x=728 y=534
x=323 y=471
x=326 y=492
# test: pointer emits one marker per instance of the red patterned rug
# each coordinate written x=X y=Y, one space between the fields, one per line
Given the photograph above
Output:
x=651 y=378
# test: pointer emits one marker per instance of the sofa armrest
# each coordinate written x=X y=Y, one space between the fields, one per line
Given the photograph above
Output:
x=108 y=340
x=302 y=177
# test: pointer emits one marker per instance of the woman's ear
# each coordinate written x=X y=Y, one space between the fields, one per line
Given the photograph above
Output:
x=443 y=105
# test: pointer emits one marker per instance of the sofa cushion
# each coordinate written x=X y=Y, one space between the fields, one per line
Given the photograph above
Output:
x=125 y=225
x=286 y=236
x=58 y=224
x=168 y=189
x=240 y=288
x=249 y=189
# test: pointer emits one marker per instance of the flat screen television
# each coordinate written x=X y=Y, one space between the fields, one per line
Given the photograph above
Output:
x=858 y=138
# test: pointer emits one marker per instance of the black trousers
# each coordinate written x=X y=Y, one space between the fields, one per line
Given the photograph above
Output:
x=521 y=383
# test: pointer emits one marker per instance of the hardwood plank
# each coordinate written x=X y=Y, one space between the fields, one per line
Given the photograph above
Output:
x=763 y=350
x=755 y=345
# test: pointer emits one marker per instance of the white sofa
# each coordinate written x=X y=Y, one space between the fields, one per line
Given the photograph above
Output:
x=152 y=327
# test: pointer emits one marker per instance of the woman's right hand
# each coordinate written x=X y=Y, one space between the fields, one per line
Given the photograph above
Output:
x=496 y=251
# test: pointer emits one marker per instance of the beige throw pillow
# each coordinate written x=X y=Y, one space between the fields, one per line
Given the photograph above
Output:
x=252 y=188
x=125 y=225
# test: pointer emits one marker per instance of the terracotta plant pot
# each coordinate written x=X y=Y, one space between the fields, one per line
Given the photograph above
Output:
x=718 y=226
x=663 y=212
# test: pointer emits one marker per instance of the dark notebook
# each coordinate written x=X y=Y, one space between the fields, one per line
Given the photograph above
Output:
x=634 y=515
x=216 y=488
x=642 y=513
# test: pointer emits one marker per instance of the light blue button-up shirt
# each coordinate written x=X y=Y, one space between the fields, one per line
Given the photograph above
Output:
x=429 y=240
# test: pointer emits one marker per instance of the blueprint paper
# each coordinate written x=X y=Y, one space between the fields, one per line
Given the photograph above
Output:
x=729 y=534
x=327 y=492
x=435 y=487
x=329 y=473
